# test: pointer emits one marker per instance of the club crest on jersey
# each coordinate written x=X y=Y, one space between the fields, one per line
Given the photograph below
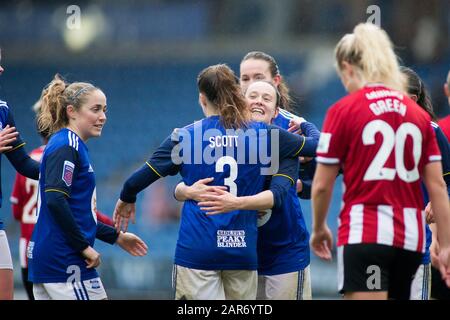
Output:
x=67 y=175
x=95 y=284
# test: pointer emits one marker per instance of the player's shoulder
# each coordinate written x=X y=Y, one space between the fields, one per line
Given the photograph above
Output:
x=4 y=110
x=64 y=138
x=284 y=114
x=3 y=104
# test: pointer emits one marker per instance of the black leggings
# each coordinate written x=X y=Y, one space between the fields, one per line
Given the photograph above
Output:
x=27 y=284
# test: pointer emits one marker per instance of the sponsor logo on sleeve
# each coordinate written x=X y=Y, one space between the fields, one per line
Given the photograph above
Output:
x=324 y=142
x=67 y=175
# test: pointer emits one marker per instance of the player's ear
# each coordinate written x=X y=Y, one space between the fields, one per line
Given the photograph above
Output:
x=277 y=80
x=202 y=99
x=70 y=110
x=276 y=112
x=447 y=90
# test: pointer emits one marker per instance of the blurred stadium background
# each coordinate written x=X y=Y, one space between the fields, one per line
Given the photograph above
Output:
x=146 y=55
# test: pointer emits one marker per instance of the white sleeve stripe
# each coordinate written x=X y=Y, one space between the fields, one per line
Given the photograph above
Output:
x=435 y=158
x=286 y=114
x=327 y=160
x=70 y=139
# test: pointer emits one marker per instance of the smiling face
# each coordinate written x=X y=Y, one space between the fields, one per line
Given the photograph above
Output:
x=89 y=119
x=262 y=100
x=252 y=70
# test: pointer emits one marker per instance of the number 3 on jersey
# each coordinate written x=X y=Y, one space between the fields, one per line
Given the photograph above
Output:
x=229 y=182
x=392 y=140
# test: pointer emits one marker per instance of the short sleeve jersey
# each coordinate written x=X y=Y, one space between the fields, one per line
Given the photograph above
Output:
x=65 y=168
x=382 y=140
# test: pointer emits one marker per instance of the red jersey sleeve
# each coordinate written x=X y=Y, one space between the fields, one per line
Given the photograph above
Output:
x=332 y=145
x=430 y=147
x=104 y=219
x=17 y=197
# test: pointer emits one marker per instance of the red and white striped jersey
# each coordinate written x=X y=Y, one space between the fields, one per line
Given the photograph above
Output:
x=382 y=140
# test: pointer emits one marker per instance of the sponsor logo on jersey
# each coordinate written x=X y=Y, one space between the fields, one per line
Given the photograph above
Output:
x=67 y=175
x=231 y=239
x=95 y=284
x=324 y=142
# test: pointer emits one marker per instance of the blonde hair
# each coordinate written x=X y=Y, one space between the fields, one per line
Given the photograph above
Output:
x=371 y=51
x=55 y=98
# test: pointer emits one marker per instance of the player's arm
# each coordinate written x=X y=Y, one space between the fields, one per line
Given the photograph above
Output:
x=306 y=174
x=18 y=157
x=322 y=188
x=444 y=147
x=294 y=145
x=17 y=197
x=7 y=136
x=60 y=169
x=196 y=191
x=222 y=201
x=159 y=165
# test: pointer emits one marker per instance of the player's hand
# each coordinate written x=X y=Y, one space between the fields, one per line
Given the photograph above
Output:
x=92 y=257
x=429 y=213
x=123 y=212
x=322 y=242
x=132 y=244
x=200 y=188
x=7 y=136
x=294 y=125
x=221 y=202
x=444 y=264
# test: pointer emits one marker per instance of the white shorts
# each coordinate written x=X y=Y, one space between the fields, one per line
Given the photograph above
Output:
x=91 y=289
x=421 y=284
x=5 y=253
x=287 y=286
x=193 y=284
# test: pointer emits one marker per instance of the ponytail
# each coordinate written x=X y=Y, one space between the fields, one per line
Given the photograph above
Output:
x=371 y=51
x=55 y=98
x=220 y=86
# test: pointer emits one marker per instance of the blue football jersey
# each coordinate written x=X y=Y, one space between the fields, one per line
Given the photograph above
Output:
x=283 y=241
x=236 y=159
x=444 y=147
x=65 y=168
x=6 y=118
